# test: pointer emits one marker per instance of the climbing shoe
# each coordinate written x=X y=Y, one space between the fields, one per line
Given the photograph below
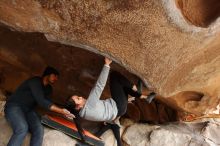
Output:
x=150 y=97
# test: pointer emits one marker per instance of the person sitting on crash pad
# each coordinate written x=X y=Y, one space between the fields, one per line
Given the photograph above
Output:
x=20 y=107
x=111 y=109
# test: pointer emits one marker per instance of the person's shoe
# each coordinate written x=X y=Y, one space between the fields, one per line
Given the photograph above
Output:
x=150 y=97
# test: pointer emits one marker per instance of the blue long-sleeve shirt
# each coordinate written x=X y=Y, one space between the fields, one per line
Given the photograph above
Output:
x=32 y=92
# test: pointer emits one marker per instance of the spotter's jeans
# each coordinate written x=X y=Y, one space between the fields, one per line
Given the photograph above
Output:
x=23 y=121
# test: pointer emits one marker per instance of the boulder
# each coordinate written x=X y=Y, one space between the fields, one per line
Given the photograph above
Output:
x=203 y=132
x=211 y=133
x=138 y=134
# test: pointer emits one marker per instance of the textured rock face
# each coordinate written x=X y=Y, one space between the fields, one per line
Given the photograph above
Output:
x=150 y=38
x=176 y=134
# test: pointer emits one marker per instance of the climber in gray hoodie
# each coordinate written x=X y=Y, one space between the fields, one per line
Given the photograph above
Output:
x=108 y=110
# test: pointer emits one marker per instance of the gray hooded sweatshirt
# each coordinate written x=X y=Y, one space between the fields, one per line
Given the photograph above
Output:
x=96 y=109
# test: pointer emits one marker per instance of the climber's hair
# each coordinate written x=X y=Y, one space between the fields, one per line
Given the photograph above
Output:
x=70 y=103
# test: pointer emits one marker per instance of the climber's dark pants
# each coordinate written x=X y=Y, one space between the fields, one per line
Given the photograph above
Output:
x=120 y=88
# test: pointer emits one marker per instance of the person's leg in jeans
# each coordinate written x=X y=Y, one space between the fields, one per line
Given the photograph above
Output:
x=35 y=128
x=17 y=119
